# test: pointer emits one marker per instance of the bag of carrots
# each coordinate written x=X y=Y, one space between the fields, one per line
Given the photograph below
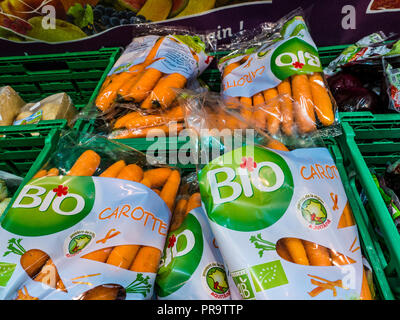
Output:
x=276 y=72
x=191 y=266
x=140 y=91
x=90 y=225
x=279 y=213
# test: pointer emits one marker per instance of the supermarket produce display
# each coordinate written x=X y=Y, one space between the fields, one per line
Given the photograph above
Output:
x=289 y=185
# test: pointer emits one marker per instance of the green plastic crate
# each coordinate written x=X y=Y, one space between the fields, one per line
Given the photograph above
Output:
x=370 y=141
x=78 y=74
x=23 y=148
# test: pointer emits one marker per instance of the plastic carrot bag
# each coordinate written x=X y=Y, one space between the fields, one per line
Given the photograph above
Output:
x=90 y=225
x=277 y=73
x=392 y=84
x=279 y=214
x=368 y=49
x=144 y=79
x=191 y=266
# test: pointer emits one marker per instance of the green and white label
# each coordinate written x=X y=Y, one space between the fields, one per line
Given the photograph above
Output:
x=192 y=267
x=50 y=204
x=248 y=195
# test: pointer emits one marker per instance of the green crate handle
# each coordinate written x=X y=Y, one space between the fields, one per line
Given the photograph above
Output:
x=345 y=116
x=383 y=218
x=362 y=225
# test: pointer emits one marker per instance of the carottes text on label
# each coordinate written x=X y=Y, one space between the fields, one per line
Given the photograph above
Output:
x=135 y=214
x=318 y=171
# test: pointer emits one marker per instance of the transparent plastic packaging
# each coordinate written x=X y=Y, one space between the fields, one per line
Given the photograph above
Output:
x=145 y=79
x=275 y=70
x=191 y=266
x=278 y=210
x=104 y=217
x=57 y=106
x=10 y=105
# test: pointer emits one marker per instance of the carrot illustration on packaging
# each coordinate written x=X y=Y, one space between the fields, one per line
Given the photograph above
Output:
x=38 y=266
x=308 y=253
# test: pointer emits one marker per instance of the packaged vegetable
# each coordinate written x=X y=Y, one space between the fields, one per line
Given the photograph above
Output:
x=283 y=212
x=57 y=106
x=10 y=105
x=9 y=184
x=101 y=228
x=392 y=83
x=191 y=266
x=144 y=81
x=371 y=48
x=279 y=76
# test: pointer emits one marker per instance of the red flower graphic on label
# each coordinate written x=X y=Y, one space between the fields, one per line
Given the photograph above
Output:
x=171 y=241
x=248 y=163
x=315 y=218
x=61 y=190
x=298 y=65
x=208 y=59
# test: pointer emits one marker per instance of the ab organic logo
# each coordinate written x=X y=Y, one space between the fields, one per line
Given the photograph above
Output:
x=53 y=203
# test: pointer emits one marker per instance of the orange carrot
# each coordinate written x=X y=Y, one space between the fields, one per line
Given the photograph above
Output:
x=286 y=105
x=179 y=214
x=147 y=260
x=100 y=255
x=283 y=252
x=144 y=85
x=131 y=172
x=86 y=164
x=152 y=54
x=114 y=170
x=48 y=275
x=230 y=67
x=120 y=123
x=146 y=182
x=339 y=259
x=53 y=172
x=164 y=93
x=148 y=132
x=123 y=256
x=322 y=100
x=175 y=113
x=304 y=107
x=296 y=250
x=170 y=189
x=157 y=191
x=260 y=117
x=137 y=70
x=125 y=87
x=33 y=260
x=276 y=145
x=157 y=176
x=317 y=255
x=40 y=174
x=145 y=121
x=60 y=286
x=106 y=98
x=273 y=113
x=193 y=202
x=246 y=109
